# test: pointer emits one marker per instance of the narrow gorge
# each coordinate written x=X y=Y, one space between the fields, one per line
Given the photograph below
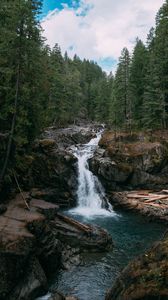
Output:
x=132 y=234
x=82 y=228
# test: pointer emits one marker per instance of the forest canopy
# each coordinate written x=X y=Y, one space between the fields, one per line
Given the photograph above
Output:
x=40 y=86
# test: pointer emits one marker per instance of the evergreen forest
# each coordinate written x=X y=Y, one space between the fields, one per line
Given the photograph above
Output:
x=41 y=87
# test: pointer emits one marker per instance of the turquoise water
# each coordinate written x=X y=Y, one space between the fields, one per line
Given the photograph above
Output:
x=132 y=235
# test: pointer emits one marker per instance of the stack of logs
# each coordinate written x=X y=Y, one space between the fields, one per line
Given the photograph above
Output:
x=150 y=198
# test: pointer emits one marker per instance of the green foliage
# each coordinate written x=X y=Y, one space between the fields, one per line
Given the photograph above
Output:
x=120 y=106
x=53 y=89
x=140 y=94
x=156 y=90
x=137 y=82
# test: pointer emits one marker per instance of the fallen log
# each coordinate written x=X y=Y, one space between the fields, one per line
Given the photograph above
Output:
x=78 y=225
x=157 y=197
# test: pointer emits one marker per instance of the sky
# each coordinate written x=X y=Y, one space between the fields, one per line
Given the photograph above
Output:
x=98 y=29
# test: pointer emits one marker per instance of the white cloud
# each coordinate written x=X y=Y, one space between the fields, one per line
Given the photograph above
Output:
x=99 y=29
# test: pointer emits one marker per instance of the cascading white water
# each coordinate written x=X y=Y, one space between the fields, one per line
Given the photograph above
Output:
x=90 y=193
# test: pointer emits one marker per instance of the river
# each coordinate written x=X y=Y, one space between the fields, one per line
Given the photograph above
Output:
x=132 y=235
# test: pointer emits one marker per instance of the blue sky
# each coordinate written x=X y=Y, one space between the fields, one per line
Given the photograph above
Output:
x=49 y=5
x=98 y=29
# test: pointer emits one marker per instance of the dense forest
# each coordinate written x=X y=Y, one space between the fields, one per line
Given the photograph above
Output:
x=40 y=86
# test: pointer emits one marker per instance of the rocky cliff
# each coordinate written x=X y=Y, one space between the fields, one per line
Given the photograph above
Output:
x=127 y=161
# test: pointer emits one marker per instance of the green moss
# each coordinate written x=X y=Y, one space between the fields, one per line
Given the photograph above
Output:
x=126 y=168
x=47 y=143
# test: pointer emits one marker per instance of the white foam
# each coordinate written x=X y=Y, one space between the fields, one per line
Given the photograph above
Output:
x=90 y=193
x=91 y=213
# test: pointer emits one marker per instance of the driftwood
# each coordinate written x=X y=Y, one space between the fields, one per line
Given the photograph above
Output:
x=78 y=225
x=156 y=205
x=148 y=197
x=158 y=197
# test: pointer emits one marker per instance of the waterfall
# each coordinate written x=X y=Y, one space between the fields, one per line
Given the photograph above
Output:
x=91 y=197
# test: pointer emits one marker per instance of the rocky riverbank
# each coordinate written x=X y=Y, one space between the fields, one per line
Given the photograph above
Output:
x=136 y=161
x=126 y=163
x=35 y=243
x=144 y=278
x=154 y=205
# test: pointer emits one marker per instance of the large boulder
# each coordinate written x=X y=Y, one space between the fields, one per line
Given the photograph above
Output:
x=131 y=161
x=82 y=236
x=144 y=278
x=22 y=275
x=54 y=174
x=32 y=283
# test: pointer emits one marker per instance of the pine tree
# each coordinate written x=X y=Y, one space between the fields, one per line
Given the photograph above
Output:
x=137 y=82
x=120 y=104
x=57 y=89
x=156 y=92
x=20 y=53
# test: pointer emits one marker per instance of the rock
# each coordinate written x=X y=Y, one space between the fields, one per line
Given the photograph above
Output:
x=21 y=274
x=49 y=247
x=55 y=176
x=144 y=278
x=57 y=296
x=83 y=236
x=109 y=170
x=61 y=197
x=156 y=210
x=142 y=179
x=47 y=144
x=34 y=283
x=36 y=242
x=131 y=161
x=11 y=270
x=47 y=209
x=53 y=170
x=71 y=298
x=70 y=257
x=3 y=209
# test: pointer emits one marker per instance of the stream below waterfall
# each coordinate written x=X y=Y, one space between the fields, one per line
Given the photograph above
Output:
x=132 y=235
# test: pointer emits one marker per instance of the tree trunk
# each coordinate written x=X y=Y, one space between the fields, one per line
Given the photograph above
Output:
x=12 y=127
x=9 y=145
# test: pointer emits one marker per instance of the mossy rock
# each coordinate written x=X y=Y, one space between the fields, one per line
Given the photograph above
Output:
x=47 y=143
x=144 y=278
x=125 y=168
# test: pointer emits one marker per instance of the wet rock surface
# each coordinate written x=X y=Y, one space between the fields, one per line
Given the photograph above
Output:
x=132 y=161
x=59 y=296
x=144 y=278
x=37 y=242
x=82 y=236
x=53 y=173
